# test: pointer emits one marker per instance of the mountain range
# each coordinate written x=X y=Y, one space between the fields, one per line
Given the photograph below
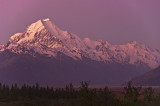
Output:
x=49 y=55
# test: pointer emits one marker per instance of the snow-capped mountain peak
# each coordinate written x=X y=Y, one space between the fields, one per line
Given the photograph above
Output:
x=47 y=19
x=44 y=37
x=29 y=34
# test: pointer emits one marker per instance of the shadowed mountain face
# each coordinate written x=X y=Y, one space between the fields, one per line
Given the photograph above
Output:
x=24 y=68
x=48 y=55
x=151 y=78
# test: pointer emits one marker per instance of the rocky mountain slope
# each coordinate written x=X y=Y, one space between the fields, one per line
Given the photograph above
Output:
x=44 y=51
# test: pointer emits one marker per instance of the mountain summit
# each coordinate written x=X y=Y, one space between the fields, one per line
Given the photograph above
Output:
x=46 y=38
x=44 y=46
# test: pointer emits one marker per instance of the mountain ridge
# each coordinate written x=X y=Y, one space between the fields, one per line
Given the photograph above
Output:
x=151 y=78
x=46 y=54
x=45 y=34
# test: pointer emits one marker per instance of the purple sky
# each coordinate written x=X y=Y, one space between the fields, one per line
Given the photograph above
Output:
x=117 y=21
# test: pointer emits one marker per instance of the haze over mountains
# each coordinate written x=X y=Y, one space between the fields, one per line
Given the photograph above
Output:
x=46 y=54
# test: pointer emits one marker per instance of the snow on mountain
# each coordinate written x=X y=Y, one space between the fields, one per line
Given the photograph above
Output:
x=1 y=46
x=44 y=37
x=137 y=52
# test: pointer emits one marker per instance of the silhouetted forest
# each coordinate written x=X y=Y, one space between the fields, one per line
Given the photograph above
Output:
x=36 y=95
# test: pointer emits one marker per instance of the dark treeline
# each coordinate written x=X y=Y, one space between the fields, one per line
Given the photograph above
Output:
x=69 y=96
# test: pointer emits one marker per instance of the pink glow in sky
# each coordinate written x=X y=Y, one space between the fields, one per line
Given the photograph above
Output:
x=117 y=21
